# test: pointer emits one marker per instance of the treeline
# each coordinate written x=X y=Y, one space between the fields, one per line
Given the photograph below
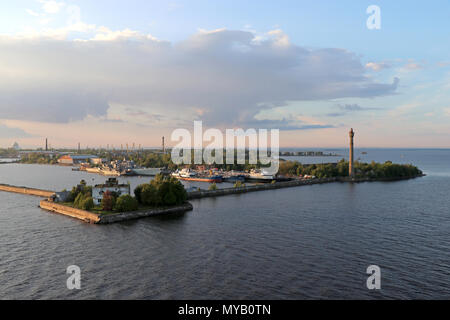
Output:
x=161 y=192
x=38 y=158
x=8 y=153
x=81 y=196
x=150 y=159
x=362 y=170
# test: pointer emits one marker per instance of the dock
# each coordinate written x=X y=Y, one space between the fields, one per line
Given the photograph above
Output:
x=259 y=187
x=27 y=191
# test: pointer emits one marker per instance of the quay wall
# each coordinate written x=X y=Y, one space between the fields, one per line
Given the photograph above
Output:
x=27 y=191
x=90 y=217
x=259 y=187
x=123 y=216
x=83 y=215
x=287 y=184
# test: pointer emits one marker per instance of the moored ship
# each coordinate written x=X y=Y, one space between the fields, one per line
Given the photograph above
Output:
x=147 y=171
x=190 y=175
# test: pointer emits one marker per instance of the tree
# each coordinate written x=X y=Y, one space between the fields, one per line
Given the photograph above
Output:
x=161 y=191
x=149 y=195
x=212 y=187
x=138 y=193
x=108 y=201
x=126 y=203
x=87 y=203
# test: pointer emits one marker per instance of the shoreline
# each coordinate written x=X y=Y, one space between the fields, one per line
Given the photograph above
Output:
x=288 y=184
x=96 y=218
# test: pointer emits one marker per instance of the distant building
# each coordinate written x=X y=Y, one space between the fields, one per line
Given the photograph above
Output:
x=62 y=196
x=111 y=185
x=16 y=146
x=72 y=159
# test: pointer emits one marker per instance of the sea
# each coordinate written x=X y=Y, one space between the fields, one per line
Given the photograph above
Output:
x=308 y=242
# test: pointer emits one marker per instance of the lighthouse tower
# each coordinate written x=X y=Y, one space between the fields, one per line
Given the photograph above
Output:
x=351 y=169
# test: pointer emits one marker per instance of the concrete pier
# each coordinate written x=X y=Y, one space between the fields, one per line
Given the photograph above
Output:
x=90 y=217
x=260 y=187
x=27 y=191
x=83 y=215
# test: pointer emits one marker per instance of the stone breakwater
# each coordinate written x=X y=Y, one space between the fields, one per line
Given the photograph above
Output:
x=259 y=187
x=91 y=217
x=286 y=184
x=27 y=191
x=83 y=215
x=123 y=216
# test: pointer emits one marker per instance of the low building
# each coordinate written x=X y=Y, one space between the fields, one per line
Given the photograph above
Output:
x=71 y=159
x=112 y=185
x=62 y=196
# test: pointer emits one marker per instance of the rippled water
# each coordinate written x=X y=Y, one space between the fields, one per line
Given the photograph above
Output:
x=306 y=242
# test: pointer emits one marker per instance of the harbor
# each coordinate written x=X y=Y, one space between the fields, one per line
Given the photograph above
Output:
x=51 y=205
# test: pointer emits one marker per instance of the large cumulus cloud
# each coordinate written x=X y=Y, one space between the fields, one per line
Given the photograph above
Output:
x=223 y=77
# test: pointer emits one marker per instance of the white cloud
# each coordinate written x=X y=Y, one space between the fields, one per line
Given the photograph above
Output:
x=377 y=66
x=413 y=66
x=446 y=111
x=60 y=80
x=51 y=6
x=404 y=109
x=12 y=132
x=32 y=13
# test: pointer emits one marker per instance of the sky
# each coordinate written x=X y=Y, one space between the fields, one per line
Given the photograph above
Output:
x=115 y=72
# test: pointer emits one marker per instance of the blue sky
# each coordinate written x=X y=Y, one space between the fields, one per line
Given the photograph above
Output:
x=410 y=28
x=412 y=45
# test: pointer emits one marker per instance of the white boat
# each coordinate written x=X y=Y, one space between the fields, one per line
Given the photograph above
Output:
x=257 y=174
x=110 y=172
x=93 y=170
x=187 y=173
x=175 y=174
x=147 y=171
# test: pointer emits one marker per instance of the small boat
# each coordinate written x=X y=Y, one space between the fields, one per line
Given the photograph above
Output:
x=261 y=175
x=187 y=173
x=190 y=175
x=93 y=170
x=109 y=172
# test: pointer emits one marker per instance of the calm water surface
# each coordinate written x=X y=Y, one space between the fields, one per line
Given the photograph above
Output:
x=298 y=243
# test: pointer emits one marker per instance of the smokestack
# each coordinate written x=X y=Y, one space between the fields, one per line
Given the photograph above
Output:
x=163 y=146
x=46 y=144
x=79 y=148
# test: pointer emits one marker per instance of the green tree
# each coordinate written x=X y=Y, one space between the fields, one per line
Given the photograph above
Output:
x=87 y=203
x=212 y=186
x=126 y=203
x=161 y=191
